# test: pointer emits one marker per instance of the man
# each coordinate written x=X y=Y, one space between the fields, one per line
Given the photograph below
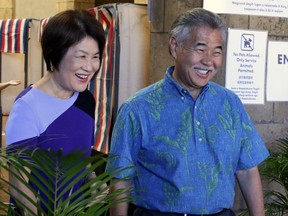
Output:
x=186 y=136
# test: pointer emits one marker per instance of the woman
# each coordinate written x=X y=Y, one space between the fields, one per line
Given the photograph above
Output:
x=57 y=112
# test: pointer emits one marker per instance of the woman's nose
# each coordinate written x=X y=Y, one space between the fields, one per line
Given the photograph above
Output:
x=87 y=65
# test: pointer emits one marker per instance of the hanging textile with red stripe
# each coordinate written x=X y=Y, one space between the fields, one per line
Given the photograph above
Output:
x=43 y=23
x=102 y=86
x=14 y=35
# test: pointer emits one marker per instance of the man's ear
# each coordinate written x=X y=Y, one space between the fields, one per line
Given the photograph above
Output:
x=173 y=47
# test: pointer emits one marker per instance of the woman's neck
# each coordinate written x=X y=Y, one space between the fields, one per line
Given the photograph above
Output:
x=49 y=85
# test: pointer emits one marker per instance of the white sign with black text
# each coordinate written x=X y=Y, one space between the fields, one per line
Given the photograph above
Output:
x=277 y=71
x=245 y=64
x=276 y=8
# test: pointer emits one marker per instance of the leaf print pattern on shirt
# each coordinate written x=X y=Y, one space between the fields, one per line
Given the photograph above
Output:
x=155 y=99
x=184 y=132
x=120 y=129
x=134 y=129
x=208 y=135
x=207 y=171
x=172 y=194
x=227 y=120
x=247 y=127
x=181 y=142
x=247 y=146
x=167 y=157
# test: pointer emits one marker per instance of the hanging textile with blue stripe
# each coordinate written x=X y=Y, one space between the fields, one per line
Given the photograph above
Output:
x=103 y=85
x=14 y=35
x=43 y=23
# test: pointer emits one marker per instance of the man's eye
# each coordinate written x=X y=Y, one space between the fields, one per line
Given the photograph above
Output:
x=200 y=51
x=217 y=53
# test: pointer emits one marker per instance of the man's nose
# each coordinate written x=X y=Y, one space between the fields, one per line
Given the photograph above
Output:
x=207 y=58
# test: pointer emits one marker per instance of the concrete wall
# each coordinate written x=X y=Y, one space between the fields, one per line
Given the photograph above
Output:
x=6 y=9
x=74 y=4
x=38 y=9
x=34 y=9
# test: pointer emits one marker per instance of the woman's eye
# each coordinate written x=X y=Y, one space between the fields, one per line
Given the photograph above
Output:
x=81 y=56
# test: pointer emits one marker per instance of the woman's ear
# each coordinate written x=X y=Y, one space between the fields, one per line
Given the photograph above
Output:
x=173 y=47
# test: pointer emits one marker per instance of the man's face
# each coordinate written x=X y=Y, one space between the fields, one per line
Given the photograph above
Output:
x=198 y=58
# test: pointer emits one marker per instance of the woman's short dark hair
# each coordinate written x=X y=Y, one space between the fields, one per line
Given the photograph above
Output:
x=64 y=30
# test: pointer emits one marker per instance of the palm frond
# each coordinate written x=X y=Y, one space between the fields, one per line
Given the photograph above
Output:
x=275 y=170
x=54 y=176
x=283 y=146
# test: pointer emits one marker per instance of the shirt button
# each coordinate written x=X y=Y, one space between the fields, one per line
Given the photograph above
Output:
x=200 y=139
x=198 y=123
x=182 y=98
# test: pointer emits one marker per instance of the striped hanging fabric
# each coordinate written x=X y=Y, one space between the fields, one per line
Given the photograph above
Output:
x=103 y=85
x=14 y=35
x=43 y=23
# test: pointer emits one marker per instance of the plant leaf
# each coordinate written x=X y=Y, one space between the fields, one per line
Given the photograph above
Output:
x=54 y=176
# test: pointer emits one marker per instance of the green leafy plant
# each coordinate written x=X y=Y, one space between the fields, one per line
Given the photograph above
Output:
x=275 y=170
x=62 y=172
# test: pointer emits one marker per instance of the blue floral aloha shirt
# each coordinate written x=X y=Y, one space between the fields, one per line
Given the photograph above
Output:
x=185 y=152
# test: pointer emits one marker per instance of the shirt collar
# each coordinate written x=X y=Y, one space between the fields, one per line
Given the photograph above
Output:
x=175 y=87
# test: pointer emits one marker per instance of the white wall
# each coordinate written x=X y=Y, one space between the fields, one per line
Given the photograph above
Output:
x=134 y=35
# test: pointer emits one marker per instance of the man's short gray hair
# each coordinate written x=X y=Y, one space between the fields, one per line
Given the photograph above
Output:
x=191 y=20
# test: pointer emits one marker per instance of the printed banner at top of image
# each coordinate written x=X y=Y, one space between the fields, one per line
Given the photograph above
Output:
x=274 y=8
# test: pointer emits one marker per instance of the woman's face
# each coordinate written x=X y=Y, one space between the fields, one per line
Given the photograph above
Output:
x=78 y=66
